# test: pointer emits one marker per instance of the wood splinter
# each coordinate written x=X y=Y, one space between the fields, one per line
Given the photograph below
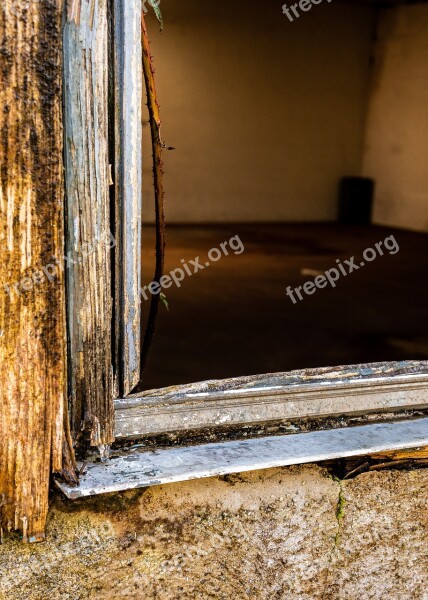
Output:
x=157 y=147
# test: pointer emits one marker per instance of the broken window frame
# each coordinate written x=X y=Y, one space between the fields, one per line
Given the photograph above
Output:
x=103 y=100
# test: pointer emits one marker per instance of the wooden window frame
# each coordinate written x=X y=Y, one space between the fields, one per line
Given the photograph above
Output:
x=103 y=73
x=63 y=99
x=63 y=96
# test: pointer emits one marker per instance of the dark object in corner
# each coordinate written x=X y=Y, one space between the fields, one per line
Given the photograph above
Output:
x=355 y=200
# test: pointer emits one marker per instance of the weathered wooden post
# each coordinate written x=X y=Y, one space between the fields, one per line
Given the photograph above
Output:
x=32 y=291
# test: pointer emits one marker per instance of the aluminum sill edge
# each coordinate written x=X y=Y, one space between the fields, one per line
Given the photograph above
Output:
x=140 y=467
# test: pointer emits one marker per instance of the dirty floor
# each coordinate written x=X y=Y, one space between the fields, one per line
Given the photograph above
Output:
x=234 y=318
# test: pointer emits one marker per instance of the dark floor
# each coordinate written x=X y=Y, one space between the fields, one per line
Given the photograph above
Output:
x=234 y=317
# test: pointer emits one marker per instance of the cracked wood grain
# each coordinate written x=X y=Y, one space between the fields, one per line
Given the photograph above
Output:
x=88 y=215
x=32 y=305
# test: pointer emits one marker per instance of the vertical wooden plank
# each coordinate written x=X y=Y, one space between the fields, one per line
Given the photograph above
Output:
x=128 y=169
x=32 y=291
x=88 y=213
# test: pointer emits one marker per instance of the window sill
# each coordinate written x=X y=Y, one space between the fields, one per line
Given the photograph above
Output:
x=138 y=467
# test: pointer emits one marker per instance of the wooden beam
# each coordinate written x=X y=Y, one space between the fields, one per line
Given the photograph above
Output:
x=32 y=293
x=88 y=213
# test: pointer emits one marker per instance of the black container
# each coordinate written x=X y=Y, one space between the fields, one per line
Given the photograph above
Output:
x=355 y=200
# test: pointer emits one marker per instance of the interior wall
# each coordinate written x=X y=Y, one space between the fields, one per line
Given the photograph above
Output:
x=265 y=115
x=396 y=146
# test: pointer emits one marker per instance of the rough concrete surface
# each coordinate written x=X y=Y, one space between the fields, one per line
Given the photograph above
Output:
x=292 y=533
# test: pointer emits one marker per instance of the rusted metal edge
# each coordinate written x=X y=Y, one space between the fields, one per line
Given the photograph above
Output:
x=140 y=468
x=316 y=393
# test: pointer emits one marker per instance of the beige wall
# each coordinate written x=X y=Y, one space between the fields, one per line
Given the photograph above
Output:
x=266 y=115
x=396 y=151
x=291 y=534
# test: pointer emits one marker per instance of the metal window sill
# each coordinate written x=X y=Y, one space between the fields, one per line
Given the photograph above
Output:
x=139 y=467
